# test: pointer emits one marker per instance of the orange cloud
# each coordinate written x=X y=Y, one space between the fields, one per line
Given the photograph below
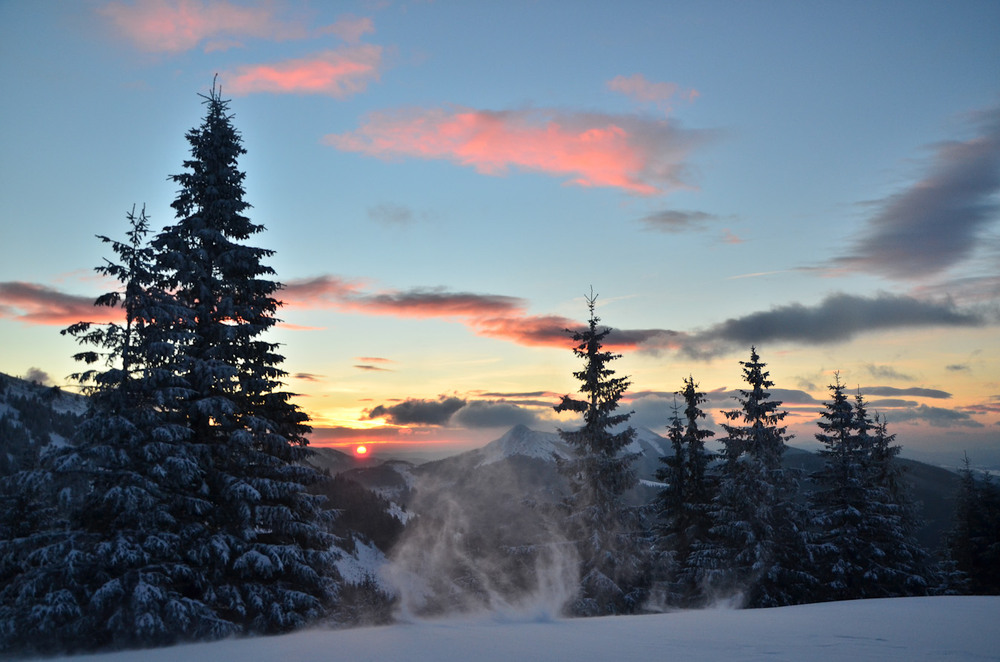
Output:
x=32 y=303
x=336 y=73
x=639 y=155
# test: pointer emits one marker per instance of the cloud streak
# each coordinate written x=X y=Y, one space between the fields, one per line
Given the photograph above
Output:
x=488 y=315
x=936 y=222
x=175 y=26
x=413 y=411
x=914 y=392
x=838 y=318
x=450 y=411
x=677 y=221
x=32 y=303
x=336 y=73
x=639 y=155
x=639 y=88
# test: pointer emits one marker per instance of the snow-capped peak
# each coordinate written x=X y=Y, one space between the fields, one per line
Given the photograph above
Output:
x=521 y=440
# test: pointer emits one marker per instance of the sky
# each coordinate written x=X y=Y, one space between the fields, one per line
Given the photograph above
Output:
x=444 y=183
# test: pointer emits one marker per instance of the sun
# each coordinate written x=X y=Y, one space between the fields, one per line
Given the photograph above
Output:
x=361 y=450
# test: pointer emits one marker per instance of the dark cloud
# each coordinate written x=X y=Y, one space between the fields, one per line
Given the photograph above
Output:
x=938 y=220
x=38 y=375
x=968 y=290
x=519 y=394
x=418 y=412
x=939 y=417
x=957 y=367
x=912 y=392
x=838 y=318
x=986 y=408
x=677 y=221
x=372 y=368
x=886 y=372
x=307 y=376
x=350 y=296
x=891 y=402
x=721 y=398
x=484 y=414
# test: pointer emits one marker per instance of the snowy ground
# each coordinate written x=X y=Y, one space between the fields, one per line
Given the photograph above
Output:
x=911 y=629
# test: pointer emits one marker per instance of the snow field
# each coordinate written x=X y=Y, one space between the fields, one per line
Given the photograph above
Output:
x=902 y=629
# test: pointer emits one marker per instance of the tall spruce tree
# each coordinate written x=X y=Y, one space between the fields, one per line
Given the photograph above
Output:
x=757 y=544
x=862 y=513
x=610 y=535
x=265 y=551
x=683 y=506
x=973 y=544
x=105 y=567
x=180 y=509
x=907 y=568
x=845 y=522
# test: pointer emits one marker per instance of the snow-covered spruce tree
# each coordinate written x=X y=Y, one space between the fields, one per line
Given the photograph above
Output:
x=757 y=550
x=683 y=506
x=973 y=544
x=610 y=535
x=105 y=568
x=265 y=553
x=906 y=568
x=843 y=507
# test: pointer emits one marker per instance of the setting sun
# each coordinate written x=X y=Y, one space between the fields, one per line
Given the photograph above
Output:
x=361 y=450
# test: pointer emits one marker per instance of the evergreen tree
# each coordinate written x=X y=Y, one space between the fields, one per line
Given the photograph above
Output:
x=862 y=512
x=180 y=510
x=683 y=506
x=103 y=567
x=265 y=549
x=841 y=512
x=908 y=569
x=973 y=545
x=609 y=533
x=757 y=549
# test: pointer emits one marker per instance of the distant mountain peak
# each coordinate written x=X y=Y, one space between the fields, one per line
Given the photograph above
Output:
x=522 y=440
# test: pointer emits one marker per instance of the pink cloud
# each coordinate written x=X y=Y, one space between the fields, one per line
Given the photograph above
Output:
x=348 y=296
x=639 y=155
x=174 y=26
x=179 y=25
x=318 y=292
x=336 y=73
x=32 y=303
x=646 y=91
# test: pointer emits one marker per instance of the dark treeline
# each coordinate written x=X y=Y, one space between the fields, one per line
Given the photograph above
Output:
x=738 y=526
x=179 y=507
